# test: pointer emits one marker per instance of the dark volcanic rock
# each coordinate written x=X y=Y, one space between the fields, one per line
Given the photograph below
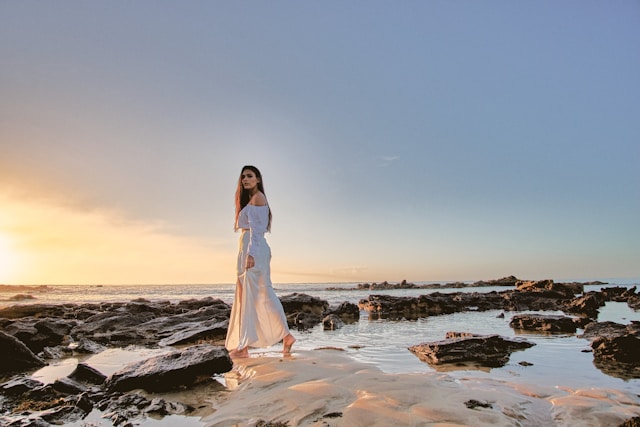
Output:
x=348 y=312
x=588 y=304
x=197 y=331
x=550 y=288
x=68 y=386
x=146 y=323
x=303 y=320
x=115 y=327
x=297 y=303
x=19 y=385
x=618 y=293
x=332 y=322
x=532 y=300
x=40 y=333
x=433 y=304
x=616 y=348
x=605 y=329
x=485 y=350
x=505 y=281
x=86 y=374
x=543 y=323
x=172 y=371
x=386 y=285
x=303 y=311
x=33 y=310
x=125 y=408
x=625 y=349
x=16 y=356
x=63 y=415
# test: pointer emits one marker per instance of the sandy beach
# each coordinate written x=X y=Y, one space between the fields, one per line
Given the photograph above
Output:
x=326 y=387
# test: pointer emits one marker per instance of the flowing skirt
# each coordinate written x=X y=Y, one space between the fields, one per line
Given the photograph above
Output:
x=257 y=317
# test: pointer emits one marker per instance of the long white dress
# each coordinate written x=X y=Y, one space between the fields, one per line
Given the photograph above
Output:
x=257 y=317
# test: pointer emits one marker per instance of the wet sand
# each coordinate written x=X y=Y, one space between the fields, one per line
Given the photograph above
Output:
x=327 y=388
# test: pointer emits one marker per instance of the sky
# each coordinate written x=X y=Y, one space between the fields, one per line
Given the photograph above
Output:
x=398 y=140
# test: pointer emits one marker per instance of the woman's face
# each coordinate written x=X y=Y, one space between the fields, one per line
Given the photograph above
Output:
x=249 y=180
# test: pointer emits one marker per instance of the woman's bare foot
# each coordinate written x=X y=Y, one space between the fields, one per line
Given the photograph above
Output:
x=287 y=342
x=239 y=354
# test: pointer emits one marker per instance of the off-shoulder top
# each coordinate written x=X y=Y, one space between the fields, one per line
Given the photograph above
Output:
x=256 y=219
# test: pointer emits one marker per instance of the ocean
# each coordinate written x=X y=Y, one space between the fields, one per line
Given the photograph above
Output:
x=559 y=360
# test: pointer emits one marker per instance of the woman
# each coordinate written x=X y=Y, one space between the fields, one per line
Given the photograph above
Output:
x=257 y=316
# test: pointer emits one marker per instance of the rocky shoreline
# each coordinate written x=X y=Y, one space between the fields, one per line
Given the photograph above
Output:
x=509 y=281
x=192 y=332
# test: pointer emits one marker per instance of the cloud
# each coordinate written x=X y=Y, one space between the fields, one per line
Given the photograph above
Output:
x=384 y=161
x=349 y=271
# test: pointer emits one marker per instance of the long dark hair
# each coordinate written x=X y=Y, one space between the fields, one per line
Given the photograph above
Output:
x=243 y=196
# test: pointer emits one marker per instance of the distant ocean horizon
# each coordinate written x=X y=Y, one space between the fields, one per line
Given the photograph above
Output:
x=87 y=293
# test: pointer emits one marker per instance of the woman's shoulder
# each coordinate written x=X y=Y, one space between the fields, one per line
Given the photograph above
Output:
x=258 y=199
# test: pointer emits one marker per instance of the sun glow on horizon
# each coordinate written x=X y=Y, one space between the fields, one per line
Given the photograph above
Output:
x=66 y=244
x=8 y=260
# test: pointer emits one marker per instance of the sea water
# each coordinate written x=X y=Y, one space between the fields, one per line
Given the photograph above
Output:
x=562 y=360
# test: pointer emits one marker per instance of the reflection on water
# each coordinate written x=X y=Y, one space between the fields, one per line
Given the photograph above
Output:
x=50 y=373
x=114 y=359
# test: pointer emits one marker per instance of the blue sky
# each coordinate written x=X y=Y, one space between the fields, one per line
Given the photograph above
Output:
x=418 y=140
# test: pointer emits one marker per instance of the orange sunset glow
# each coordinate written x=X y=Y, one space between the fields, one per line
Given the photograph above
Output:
x=53 y=243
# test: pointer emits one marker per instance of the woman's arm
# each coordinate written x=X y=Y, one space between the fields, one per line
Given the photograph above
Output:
x=258 y=215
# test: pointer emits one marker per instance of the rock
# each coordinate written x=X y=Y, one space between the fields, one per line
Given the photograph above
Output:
x=18 y=386
x=127 y=408
x=23 y=421
x=303 y=311
x=332 y=322
x=86 y=374
x=473 y=404
x=179 y=369
x=40 y=333
x=195 y=332
x=485 y=350
x=436 y=303
x=347 y=311
x=192 y=304
x=505 y=281
x=625 y=349
x=21 y=297
x=84 y=345
x=33 y=310
x=618 y=293
x=150 y=323
x=84 y=402
x=631 y=422
x=63 y=414
x=604 y=329
x=68 y=386
x=543 y=323
x=303 y=320
x=16 y=356
x=615 y=347
x=588 y=304
x=550 y=288
x=303 y=303
x=116 y=328
x=22 y=330
x=634 y=302
x=386 y=285
x=534 y=300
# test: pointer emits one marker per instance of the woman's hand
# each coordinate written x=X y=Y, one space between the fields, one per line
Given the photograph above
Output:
x=250 y=262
